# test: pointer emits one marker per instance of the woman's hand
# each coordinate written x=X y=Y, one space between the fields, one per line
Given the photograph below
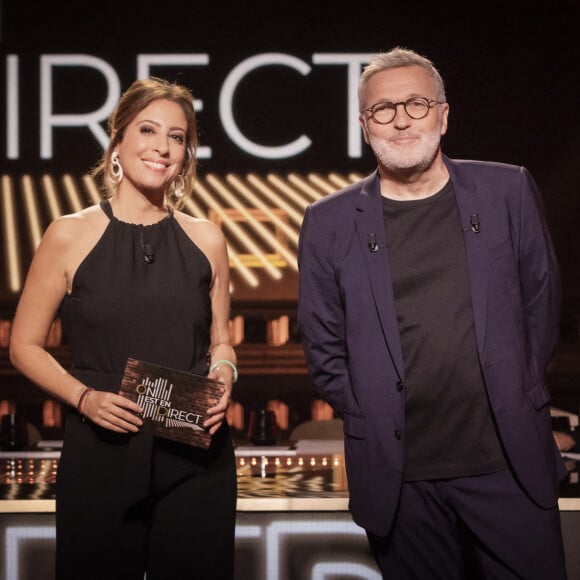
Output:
x=111 y=411
x=216 y=415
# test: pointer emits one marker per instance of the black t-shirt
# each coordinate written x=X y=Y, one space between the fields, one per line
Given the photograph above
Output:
x=449 y=428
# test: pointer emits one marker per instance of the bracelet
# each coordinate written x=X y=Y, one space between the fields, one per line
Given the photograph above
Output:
x=229 y=363
x=83 y=397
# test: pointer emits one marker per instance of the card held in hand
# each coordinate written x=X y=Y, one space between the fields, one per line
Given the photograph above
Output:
x=174 y=402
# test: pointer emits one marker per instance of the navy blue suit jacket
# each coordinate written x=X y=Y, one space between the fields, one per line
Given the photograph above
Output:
x=347 y=317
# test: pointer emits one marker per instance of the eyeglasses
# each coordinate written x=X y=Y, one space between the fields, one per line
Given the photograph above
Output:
x=384 y=112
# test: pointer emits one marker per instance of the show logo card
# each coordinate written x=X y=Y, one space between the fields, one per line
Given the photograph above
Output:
x=174 y=402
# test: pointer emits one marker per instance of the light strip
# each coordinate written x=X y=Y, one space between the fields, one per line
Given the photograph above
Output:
x=250 y=207
x=194 y=209
x=279 y=529
x=246 y=240
x=12 y=107
x=258 y=227
x=338 y=180
x=92 y=189
x=31 y=205
x=235 y=261
x=72 y=193
x=51 y=197
x=13 y=273
x=253 y=199
x=242 y=237
x=320 y=182
x=323 y=570
x=294 y=179
x=17 y=534
x=259 y=184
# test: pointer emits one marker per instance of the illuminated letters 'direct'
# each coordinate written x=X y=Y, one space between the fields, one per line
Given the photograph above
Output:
x=174 y=402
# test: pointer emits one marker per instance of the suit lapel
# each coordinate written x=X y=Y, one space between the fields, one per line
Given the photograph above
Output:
x=467 y=198
x=369 y=221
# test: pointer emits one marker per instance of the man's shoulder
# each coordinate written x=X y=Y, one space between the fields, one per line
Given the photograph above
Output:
x=346 y=196
x=477 y=167
x=492 y=180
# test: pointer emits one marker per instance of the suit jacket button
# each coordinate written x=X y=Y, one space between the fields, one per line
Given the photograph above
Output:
x=397 y=434
x=400 y=386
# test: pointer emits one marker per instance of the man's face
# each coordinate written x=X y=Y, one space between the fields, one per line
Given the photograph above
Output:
x=404 y=144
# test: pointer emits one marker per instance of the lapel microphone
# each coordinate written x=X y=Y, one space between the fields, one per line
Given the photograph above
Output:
x=372 y=243
x=148 y=254
x=474 y=221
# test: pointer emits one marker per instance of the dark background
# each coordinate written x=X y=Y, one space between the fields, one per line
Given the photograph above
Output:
x=511 y=73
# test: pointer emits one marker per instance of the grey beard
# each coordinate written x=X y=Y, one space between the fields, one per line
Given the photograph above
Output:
x=417 y=163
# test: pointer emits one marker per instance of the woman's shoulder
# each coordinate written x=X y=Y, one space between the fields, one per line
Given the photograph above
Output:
x=196 y=227
x=73 y=226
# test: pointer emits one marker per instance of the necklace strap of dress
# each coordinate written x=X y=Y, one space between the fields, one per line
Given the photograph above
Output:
x=106 y=207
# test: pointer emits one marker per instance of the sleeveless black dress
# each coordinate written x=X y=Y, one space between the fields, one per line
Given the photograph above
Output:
x=127 y=503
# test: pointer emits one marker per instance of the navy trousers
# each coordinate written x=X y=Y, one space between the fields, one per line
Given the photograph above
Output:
x=471 y=528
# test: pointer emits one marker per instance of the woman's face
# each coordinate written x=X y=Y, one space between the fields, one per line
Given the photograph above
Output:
x=153 y=147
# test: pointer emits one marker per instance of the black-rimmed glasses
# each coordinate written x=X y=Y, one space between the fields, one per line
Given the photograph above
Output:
x=416 y=107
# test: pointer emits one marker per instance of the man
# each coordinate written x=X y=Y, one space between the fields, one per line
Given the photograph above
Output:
x=429 y=306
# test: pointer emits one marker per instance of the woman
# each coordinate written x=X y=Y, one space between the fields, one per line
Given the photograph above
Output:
x=135 y=277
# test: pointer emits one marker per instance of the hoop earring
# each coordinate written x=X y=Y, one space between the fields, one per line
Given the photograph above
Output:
x=115 y=169
x=179 y=186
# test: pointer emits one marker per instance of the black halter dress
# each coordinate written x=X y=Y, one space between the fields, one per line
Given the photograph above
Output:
x=141 y=292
